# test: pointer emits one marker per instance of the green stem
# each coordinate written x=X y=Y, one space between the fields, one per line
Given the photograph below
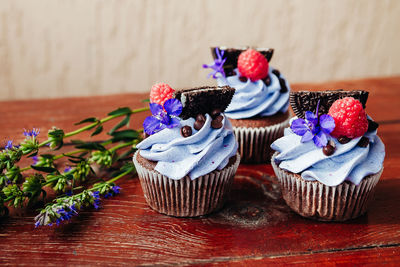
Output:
x=121 y=146
x=90 y=126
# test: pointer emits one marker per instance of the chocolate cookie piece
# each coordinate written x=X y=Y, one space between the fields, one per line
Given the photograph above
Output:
x=232 y=53
x=202 y=100
x=303 y=101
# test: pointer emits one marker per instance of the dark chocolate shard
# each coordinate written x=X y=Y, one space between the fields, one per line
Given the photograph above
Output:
x=202 y=100
x=372 y=125
x=303 y=101
x=232 y=53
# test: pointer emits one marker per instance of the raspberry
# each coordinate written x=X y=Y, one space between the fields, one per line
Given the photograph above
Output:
x=350 y=118
x=160 y=93
x=253 y=65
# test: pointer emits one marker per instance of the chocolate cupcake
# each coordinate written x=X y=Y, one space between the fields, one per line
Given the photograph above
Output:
x=187 y=163
x=259 y=109
x=330 y=158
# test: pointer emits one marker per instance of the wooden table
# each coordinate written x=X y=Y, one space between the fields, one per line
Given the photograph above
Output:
x=254 y=228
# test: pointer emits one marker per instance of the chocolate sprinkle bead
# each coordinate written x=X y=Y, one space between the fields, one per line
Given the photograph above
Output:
x=267 y=80
x=243 y=79
x=186 y=131
x=372 y=125
x=343 y=139
x=217 y=122
x=215 y=113
x=283 y=85
x=329 y=149
x=364 y=142
x=199 y=123
x=277 y=73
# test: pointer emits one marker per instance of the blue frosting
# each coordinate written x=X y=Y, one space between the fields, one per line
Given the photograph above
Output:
x=349 y=162
x=255 y=98
x=203 y=152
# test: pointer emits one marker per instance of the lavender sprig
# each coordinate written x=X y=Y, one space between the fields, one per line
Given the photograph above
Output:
x=218 y=65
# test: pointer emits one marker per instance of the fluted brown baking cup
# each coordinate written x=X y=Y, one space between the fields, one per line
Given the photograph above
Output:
x=315 y=200
x=255 y=143
x=186 y=197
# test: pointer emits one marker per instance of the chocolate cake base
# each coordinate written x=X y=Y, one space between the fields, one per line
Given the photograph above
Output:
x=315 y=200
x=255 y=136
x=185 y=197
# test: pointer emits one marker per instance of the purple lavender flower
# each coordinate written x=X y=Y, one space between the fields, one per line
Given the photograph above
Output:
x=67 y=169
x=96 y=198
x=9 y=144
x=35 y=160
x=314 y=127
x=66 y=215
x=162 y=118
x=116 y=189
x=33 y=133
x=218 y=64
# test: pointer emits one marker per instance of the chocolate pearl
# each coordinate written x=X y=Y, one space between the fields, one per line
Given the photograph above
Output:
x=200 y=117
x=364 y=142
x=243 y=79
x=283 y=85
x=343 y=139
x=267 y=80
x=372 y=125
x=198 y=125
x=329 y=149
x=276 y=72
x=217 y=122
x=186 y=131
x=215 y=113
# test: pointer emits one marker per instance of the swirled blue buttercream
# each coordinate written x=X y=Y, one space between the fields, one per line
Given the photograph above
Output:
x=255 y=98
x=349 y=162
x=203 y=152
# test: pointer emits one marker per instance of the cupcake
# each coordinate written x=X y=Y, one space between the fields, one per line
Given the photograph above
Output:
x=330 y=158
x=259 y=109
x=188 y=160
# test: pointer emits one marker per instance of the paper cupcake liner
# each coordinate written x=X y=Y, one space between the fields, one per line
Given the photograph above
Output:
x=186 y=197
x=315 y=200
x=255 y=143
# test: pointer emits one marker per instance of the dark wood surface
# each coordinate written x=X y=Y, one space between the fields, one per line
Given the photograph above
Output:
x=254 y=228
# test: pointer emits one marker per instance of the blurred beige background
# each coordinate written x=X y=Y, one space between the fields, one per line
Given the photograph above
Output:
x=58 y=48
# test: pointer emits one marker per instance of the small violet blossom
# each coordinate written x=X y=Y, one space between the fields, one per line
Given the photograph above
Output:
x=33 y=133
x=163 y=117
x=218 y=64
x=9 y=145
x=314 y=127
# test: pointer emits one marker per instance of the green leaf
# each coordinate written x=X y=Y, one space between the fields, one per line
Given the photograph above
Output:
x=91 y=146
x=44 y=169
x=122 y=123
x=126 y=154
x=33 y=154
x=146 y=100
x=125 y=135
x=120 y=111
x=98 y=130
x=92 y=119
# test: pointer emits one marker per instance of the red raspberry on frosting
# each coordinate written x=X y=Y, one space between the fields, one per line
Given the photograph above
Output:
x=253 y=65
x=160 y=93
x=350 y=118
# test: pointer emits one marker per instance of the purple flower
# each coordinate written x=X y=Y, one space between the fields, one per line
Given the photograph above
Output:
x=9 y=144
x=34 y=133
x=314 y=127
x=162 y=118
x=96 y=199
x=116 y=189
x=218 y=64
x=35 y=160
x=67 y=169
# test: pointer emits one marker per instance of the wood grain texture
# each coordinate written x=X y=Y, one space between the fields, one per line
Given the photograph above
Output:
x=56 y=48
x=255 y=227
